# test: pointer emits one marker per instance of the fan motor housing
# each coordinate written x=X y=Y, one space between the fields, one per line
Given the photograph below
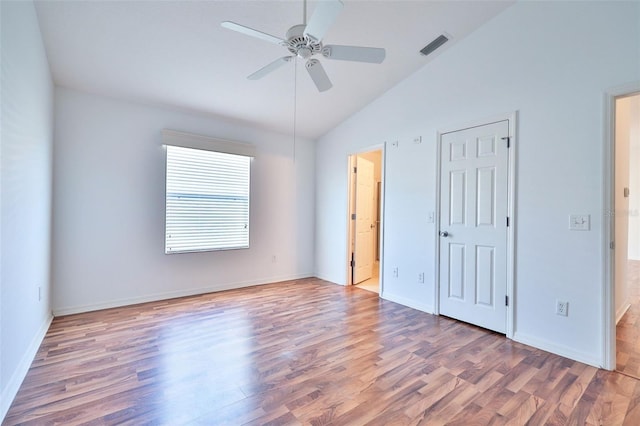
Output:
x=301 y=45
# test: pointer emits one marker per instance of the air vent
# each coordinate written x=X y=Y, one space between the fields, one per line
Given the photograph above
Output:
x=429 y=48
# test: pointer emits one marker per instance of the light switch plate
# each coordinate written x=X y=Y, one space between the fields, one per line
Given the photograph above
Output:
x=579 y=222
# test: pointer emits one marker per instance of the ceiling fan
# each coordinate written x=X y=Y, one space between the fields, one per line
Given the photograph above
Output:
x=305 y=41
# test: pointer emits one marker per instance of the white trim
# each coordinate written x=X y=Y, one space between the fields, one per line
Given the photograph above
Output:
x=383 y=178
x=608 y=330
x=512 y=120
x=14 y=383
x=177 y=293
x=436 y=232
x=496 y=118
x=191 y=140
x=564 y=351
x=620 y=312
x=328 y=279
x=351 y=162
x=608 y=290
x=407 y=302
x=511 y=231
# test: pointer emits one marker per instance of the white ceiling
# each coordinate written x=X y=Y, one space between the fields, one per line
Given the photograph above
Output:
x=175 y=53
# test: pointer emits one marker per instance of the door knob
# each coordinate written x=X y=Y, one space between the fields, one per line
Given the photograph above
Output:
x=444 y=234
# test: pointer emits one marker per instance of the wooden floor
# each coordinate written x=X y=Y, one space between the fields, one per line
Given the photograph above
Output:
x=305 y=352
x=628 y=328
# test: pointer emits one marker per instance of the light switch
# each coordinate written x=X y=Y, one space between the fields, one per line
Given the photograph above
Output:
x=579 y=222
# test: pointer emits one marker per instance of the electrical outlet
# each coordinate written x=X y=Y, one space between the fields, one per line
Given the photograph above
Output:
x=395 y=272
x=562 y=308
x=421 y=277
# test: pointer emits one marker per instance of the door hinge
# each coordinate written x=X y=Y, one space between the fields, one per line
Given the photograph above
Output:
x=506 y=300
x=355 y=170
x=508 y=139
x=353 y=216
x=507 y=221
x=353 y=262
x=612 y=245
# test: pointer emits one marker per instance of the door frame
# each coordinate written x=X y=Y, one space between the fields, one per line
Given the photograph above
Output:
x=350 y=154
x=511 y=118
x=608 y=331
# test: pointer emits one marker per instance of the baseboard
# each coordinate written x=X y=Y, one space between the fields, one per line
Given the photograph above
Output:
x=620 y=312
x=554 y=348
x=326 y=278
x=10 y=391
x=407 y=302
x=173 y=294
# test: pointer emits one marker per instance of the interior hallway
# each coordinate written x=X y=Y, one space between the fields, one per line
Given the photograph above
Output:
x=628 y=329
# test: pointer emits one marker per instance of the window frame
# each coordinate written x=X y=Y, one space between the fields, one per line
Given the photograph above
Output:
x=172 y=138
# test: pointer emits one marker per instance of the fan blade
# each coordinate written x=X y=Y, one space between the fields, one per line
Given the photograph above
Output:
x=318 y=75
x=373 y=55
x=323 y=17
x=269 y=68
x=251 y=32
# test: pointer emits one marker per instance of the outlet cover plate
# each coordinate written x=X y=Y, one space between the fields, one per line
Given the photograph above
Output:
x=562 y=308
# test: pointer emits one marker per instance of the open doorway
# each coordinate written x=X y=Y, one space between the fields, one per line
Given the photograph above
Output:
x=364 y=215
x=626 y=232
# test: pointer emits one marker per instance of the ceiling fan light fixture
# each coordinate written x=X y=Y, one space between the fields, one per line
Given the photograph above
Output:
x=304 y=52
x=305 y=41
x=297 y=40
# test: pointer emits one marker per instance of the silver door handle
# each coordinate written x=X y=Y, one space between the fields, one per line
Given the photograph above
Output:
x=444 y=234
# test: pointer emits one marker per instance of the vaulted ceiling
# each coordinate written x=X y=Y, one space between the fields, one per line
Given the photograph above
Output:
x=175 y=53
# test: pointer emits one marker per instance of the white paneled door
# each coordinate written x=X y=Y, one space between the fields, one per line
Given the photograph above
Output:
x=473 y=225
x=365 y=222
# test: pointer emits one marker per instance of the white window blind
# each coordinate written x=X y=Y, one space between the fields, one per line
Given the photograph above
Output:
x=207 y=200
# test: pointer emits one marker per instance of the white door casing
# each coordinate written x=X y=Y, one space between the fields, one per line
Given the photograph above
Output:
x=365 y=222
x=608 y=330
x=473 y=225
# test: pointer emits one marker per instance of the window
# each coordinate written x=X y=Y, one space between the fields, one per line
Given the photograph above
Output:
x=207 y=200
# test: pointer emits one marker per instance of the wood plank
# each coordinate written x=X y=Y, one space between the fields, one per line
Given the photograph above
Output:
x=304 y=352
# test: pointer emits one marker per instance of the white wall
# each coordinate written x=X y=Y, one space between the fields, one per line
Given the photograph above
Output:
x=550 y=61
x=25 y=194
x=108 y=215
